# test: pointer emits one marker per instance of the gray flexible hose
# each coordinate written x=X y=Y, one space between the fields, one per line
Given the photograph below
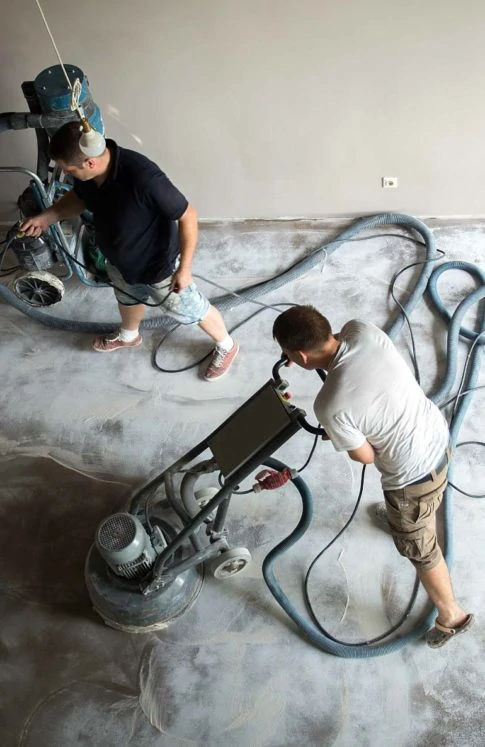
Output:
x=26 y=120
x=228 y=301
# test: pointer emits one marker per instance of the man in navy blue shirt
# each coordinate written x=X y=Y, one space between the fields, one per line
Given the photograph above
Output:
x=147 y=231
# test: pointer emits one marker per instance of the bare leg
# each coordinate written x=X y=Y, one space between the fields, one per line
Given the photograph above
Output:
x=131 y=316
x=437 y=583
x=213 y=325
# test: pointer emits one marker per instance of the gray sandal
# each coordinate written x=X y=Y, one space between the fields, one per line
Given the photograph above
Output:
x=441 y=634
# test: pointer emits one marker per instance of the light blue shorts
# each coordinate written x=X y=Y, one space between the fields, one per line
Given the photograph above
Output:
x=189 y=306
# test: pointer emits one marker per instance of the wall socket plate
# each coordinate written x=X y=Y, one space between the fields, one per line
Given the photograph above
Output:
x=389 y=182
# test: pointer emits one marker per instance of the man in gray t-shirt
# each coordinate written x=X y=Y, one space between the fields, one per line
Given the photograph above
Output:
x=372 y=407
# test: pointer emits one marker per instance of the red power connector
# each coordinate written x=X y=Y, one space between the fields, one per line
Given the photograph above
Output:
x=270 y=479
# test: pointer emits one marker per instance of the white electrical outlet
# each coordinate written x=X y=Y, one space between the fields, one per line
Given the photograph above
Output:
x=389 y=182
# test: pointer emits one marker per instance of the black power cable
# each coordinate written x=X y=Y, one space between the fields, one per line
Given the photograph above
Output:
x=460 y=490
x=414 y=357
x=112 y=285
x=275 y=306
x=308 y=603
x=309 y=458
x=10 y=270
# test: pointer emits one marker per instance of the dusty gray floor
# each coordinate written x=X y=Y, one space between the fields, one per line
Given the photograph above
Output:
x=80 y=430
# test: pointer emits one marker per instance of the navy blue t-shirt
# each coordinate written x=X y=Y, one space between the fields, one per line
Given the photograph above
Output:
x=135 y=212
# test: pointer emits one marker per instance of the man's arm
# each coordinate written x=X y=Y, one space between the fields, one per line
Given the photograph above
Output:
x=69 y=206
x=365 y=454
x=188 y=232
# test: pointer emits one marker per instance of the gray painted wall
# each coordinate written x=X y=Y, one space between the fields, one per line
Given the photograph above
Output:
x=274 y=108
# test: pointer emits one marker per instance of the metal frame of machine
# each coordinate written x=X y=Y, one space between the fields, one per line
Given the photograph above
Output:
x=44 y=196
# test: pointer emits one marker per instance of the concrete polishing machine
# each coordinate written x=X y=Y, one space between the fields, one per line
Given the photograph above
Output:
x=146 y=565
x=143 y=569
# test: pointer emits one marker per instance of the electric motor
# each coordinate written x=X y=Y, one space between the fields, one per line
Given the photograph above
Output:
x=123 y=548
x=124 y=544
x=32 y=253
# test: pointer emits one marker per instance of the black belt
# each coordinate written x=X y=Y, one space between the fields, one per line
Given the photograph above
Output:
x=440 y=466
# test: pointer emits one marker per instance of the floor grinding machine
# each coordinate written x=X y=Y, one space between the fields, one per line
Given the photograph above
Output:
x=145 y=567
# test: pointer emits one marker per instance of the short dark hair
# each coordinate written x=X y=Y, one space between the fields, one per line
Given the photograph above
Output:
x=301 y=328
x=64 y=144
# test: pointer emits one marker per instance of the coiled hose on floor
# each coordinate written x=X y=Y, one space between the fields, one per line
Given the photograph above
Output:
x=469 y=380
x=455 y=330
x=228 y=301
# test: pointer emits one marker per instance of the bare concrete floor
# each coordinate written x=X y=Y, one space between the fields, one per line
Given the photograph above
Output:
x=81 y=430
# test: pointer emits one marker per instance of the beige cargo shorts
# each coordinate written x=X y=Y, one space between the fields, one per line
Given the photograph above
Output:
x=411 y=512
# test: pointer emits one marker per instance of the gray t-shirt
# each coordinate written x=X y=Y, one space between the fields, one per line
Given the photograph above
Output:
x=370 y=394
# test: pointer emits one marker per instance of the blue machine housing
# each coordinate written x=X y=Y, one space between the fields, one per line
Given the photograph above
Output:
x=54 y=95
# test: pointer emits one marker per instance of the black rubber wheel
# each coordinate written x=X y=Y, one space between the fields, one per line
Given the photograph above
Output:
x=39 y=289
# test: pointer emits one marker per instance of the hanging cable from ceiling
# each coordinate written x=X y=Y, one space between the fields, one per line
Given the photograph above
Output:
x=91 y=142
